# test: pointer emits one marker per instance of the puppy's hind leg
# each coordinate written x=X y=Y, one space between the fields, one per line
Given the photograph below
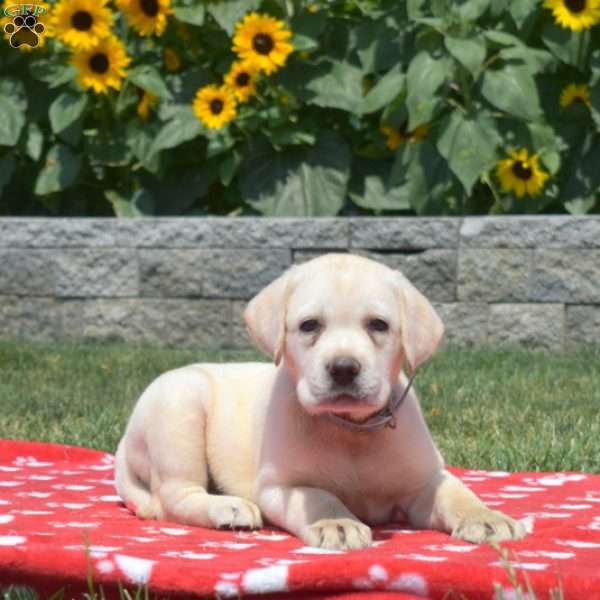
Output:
x=179 y=478
x=137 y=496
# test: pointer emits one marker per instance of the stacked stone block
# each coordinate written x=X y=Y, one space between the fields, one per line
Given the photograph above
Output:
x=177 y=282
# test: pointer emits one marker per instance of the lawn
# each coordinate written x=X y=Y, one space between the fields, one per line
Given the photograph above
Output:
x=512 y=410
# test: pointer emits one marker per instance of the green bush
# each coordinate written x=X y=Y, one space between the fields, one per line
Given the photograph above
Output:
x=384 y=107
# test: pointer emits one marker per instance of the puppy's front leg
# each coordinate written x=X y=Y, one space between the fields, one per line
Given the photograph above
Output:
x=446 y=504
x=316 y=516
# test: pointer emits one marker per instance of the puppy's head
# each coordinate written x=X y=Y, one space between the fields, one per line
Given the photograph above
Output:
x=344 y=326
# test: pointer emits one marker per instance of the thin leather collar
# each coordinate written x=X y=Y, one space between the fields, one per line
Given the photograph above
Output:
x=383 y=418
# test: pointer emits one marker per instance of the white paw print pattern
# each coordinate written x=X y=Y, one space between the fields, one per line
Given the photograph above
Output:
x=60 y=504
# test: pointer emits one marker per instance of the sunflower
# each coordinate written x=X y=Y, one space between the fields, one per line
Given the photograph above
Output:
x=575 y=93
x=42 y=13
x=102 y=66
x=574 y=14
x=398 y=136
x=147 y=102
x=521 y=173
x=147 y=17
x=171 y=60
x=241 y=79
x=81 y=24
x=214 y=106
x=263 y=42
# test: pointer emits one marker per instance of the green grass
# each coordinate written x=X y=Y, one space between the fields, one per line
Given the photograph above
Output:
x=512 y=410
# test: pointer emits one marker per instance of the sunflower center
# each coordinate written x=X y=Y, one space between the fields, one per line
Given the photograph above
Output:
x=82 y=20
x=522 y=170
x=150 y=7
x=243 y=79
x=575 y=6
x=262 y=43
x=216 y=106
x=99 y=63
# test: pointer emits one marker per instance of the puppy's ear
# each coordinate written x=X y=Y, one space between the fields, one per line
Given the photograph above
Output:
x=422 y=328
x=265 y=316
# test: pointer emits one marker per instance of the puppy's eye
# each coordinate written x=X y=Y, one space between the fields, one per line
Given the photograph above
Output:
x=310 y=326
x=378 y=325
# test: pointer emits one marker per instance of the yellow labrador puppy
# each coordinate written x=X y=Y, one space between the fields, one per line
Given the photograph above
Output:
x=325 y=442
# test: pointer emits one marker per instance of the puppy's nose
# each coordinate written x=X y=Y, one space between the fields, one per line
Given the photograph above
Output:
x=343 y=370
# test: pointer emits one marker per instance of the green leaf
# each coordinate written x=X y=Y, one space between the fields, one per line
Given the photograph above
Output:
x=537 y=60
x=297 y=183
x=148 y=78
x=228 y=12
x=52 y=72
x=546 y=144
x=7 y=168
x=190 y=14
x=370 y=187
x=339 y=87
x=175 y=192
x=570 y=47
x=521 y=10
x=469 y=52
x=128 y=98
x=15 y=90
x=291 y=135
x=66 y=110
x=425 y=76
x=472 y=9
x=139 y=205
x=469 y=146
x=377 y=45
x=228 y=167
x=35 y=141
x=307 y=27
x=430 y=185
x=581 y=180
x=512 y=89
x=219 y=142
x=11 y=123
x=60 y=170
x=140 y=138
x=580 y=206
x=502 y=38
x=183 y=127
x=384 y=91
x=108 y=148
x=13 y=104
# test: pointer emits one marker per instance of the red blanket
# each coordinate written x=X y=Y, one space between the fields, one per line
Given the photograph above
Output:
x=60 y=519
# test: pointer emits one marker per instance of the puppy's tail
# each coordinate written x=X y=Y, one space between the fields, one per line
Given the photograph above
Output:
x=136 y=496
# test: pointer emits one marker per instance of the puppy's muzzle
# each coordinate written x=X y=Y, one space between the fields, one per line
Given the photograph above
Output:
x=343 y=370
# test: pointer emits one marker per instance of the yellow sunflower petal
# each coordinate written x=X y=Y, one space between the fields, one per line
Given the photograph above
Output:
x=81 y=24
x=241 y=79
x=147 y=102
x=214 y=106
x=262 y=41
x=147 y=17
x=521 y=173
x=575 y=93
x=574 y=14
x=103 y=66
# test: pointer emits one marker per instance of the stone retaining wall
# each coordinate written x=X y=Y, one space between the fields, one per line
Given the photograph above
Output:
x=532 y=281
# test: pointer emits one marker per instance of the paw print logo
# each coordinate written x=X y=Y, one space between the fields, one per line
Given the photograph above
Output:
x=24 y=29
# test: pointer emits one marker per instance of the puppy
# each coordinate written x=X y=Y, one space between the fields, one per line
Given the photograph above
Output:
x=327 y=441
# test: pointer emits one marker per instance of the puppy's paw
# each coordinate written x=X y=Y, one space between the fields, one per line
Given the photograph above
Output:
x=488 y=526
x=338 y=534
x=233 y=512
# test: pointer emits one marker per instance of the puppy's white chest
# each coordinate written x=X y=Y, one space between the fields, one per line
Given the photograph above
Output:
x=372 y=509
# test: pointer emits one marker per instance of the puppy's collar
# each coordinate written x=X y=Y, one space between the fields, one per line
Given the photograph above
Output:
x=383 y=418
